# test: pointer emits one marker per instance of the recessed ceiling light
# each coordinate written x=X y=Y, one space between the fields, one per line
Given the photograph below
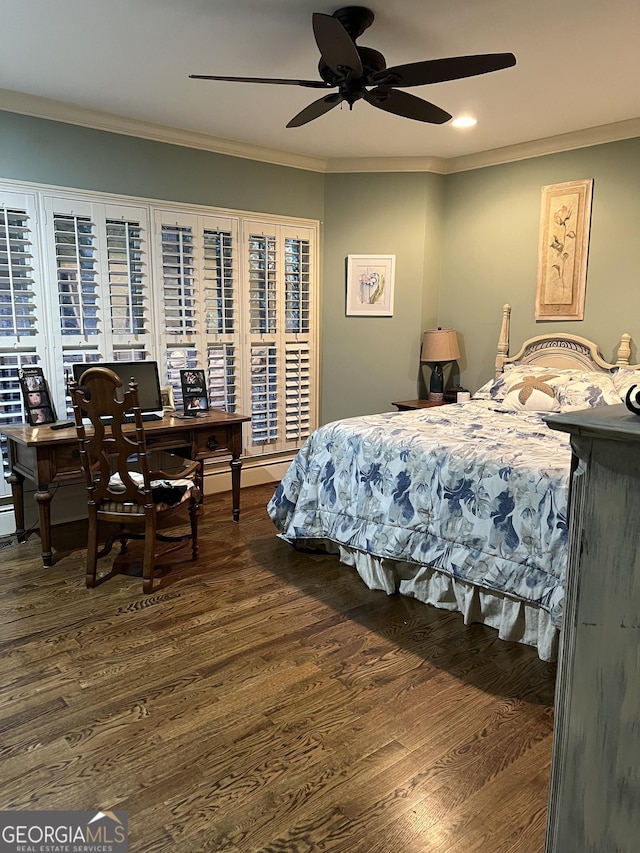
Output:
x=464 y=121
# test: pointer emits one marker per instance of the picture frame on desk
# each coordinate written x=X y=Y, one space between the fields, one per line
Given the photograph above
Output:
x=38 y=405
x=194 y=392
x=167 y=397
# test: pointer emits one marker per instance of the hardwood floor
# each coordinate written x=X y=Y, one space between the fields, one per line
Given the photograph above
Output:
x=266 y=700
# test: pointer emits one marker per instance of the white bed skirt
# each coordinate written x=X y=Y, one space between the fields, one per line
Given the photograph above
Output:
x=514 y=620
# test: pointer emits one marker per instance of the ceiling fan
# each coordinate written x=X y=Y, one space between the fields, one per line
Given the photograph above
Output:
x=360 y=72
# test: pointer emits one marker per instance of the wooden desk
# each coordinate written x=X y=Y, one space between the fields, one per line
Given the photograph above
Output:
x=47 y=456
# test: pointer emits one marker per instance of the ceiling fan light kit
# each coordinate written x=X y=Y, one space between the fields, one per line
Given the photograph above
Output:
x=361 y=73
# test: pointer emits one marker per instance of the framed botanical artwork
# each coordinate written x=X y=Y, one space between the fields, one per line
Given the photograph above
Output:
x=370 y=284
x=565 y=218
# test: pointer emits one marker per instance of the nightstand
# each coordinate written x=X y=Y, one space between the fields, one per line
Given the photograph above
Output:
x=409 y=405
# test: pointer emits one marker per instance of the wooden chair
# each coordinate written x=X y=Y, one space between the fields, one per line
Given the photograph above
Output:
x=121 y=487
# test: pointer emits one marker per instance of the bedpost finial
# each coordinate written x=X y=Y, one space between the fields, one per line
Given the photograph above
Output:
x=624 y=350
x=503 y=340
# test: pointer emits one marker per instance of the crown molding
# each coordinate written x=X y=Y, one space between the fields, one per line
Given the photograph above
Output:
x=599 y=135
x=437 y=165
x=46 y=108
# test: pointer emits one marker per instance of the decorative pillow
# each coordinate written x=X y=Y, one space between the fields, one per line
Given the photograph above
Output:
x=588 y=388
x=587 y=392
x=521 y=370
x=532 y=393
x=494 y=390
x=623 y=378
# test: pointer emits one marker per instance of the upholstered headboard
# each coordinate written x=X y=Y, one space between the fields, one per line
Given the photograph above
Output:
x=558 y=350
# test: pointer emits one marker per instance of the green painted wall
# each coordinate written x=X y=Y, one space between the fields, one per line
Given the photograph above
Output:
x=464 y=243
x=51 y=152
x=490 y=252
x=370 y=362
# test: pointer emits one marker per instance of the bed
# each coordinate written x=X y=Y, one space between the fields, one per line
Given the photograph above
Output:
x=463 y=506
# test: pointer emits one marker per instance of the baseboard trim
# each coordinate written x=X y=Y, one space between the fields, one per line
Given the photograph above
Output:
x=217 y=478
x=7 y=520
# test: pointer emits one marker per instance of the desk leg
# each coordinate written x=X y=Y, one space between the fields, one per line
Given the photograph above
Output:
x=236 y=466
x=43 y=499
x=17 y=493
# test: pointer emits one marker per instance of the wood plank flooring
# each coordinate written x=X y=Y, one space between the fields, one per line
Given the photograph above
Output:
x=266 y=700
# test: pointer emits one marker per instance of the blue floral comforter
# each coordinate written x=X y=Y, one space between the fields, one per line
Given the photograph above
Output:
x=476 y=493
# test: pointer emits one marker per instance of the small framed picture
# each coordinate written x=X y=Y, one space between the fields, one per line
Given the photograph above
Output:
x=370 y=285
x=36 y=396
x=166 y=394
x=194 y=392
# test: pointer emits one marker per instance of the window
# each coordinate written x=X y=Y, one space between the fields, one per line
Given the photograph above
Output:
x=22 y=341
x=278 y=293
x=200 y=311
x=87 y=278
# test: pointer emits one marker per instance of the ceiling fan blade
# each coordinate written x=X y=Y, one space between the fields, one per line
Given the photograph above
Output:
x=311 y=84
x=336 y=46
x=316 y=109
x=406 y=105
x=440 y=70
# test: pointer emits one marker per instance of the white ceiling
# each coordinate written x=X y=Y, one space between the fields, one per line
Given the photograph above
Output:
x=578 y=64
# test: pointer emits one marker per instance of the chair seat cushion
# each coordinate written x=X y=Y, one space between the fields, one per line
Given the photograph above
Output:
x=165 y=493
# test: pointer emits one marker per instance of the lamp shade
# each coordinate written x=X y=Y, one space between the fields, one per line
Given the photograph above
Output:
x=439 y=345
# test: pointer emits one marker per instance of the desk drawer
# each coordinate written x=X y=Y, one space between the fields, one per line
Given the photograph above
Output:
x=169 y=441
x=50 y=464
x=65 y=460
x=214 y=440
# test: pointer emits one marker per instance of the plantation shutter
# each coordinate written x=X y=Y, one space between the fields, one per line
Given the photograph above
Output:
x=17 y=286
x=278 y=277
x=98 y=257
x=222 y=312
x=22 y=339
x=297 y=393
x=200 y=313
x=297 y=377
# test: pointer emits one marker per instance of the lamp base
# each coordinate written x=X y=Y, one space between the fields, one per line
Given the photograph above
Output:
x=436 y=385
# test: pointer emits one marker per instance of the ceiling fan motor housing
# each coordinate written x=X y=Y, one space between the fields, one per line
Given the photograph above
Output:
x=372 y=61
x=355 y=19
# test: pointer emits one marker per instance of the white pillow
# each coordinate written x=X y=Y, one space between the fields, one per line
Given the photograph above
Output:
x=494 y=390
x=531 y=393
x=624 y=378
x=588 y=391
x=521 y=370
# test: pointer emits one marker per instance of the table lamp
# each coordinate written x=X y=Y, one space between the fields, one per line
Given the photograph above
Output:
x=439 y=346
